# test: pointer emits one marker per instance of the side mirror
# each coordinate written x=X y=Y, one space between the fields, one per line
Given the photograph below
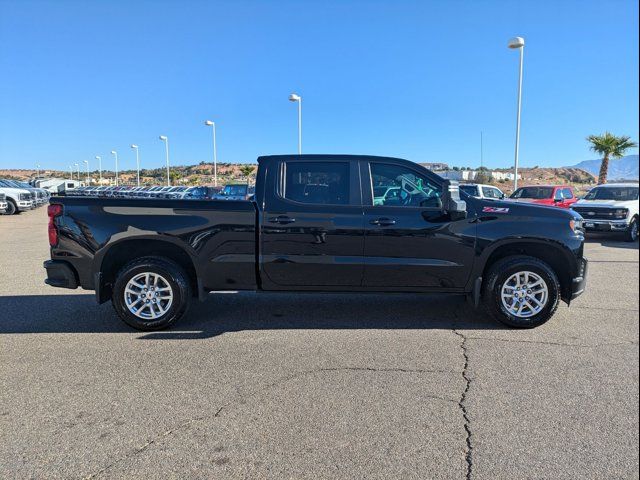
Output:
x=557 y=200
x=451 y=202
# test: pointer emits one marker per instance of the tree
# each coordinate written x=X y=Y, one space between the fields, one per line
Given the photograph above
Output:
x=483 y=176
x=174 y=176
x=247 y=171
x=609 y=146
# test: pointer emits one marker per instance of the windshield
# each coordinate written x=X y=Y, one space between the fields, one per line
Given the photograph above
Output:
x=235 y=190
x=536 y=193
x=621 y=194
x=11 y=184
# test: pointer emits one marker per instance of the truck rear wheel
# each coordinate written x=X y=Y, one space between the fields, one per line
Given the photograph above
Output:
x=151 y=293
x=521 y=291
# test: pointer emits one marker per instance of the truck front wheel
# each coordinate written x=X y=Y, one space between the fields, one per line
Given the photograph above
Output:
x=151 y=293
x=521 y=291
x=11 y=208
x=632 y=232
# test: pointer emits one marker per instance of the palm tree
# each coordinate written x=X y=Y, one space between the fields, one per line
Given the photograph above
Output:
x=609 y=146
x=247 y=171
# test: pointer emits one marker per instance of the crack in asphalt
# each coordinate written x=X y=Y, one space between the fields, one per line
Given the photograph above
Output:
x=187 y=423
x=462 y=404
x=560 y=344
x=142 y=448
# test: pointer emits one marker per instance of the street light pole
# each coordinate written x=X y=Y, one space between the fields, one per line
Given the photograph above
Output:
x=86 y=162
x=135 y=147
x=481 y=152
x=37 y=170
x=209 y=123
x=71 y=171
x=518 y=43
x=77 y=170
x=297 y=98
x=115 y=154
x=99 y=158
x=166 y=146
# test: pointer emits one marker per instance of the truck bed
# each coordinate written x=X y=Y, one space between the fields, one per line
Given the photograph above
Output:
x=219 y=237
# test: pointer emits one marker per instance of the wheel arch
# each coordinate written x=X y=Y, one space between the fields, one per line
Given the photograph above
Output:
x=117 y=255
x=557 y=256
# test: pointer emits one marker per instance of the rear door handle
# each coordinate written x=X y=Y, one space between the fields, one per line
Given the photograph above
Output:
x=282 y=219
x=383 y=222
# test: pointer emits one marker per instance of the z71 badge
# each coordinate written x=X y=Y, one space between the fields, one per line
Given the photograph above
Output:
x=495 y=209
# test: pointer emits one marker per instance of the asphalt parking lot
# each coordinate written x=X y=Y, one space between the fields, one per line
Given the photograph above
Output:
x=315 y=386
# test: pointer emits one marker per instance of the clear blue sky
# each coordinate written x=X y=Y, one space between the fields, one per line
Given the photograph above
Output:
x=417 y=80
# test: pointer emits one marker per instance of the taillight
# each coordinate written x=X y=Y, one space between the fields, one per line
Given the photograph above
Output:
x=53 y=211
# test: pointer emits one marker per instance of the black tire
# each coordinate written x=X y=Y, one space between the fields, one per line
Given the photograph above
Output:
x=11 y=208
x=176 y=278
x=501 y=271
x=631 y=235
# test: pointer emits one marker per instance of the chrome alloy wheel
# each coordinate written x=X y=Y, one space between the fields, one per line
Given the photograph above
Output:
x=524 y=294
x=148 y=295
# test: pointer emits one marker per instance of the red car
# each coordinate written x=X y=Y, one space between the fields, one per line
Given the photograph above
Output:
x=553 y=195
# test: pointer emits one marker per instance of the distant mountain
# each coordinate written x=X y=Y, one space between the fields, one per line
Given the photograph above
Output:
x=625 y=168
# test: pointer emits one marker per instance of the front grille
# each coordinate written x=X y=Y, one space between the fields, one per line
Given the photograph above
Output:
x=598 y=213
x=3 y=197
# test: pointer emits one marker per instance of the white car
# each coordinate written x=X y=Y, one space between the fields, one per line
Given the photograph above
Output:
x=479 y=190
x=612 y=208
x=18 y=199
x=3 y=203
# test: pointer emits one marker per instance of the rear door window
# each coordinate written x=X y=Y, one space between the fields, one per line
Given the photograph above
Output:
x=567 y=193
x=318 y=183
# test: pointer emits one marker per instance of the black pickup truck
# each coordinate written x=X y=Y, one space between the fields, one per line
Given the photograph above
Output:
x=330 y=223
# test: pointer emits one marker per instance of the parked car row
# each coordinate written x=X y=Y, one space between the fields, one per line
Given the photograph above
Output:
x=125 y=191
x=229 y=192
x=552 y=195
x=16 y=197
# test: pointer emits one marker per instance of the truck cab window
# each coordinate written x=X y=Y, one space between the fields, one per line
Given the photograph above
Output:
x=394 y=185
x=470 y=189
x=489 y=192
x=320 y=183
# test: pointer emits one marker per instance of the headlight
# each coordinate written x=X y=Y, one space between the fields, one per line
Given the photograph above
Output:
x=621 y=213
x=575 y=225
x=25 y=196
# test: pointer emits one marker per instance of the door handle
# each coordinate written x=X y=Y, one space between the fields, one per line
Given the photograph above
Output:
x=282 y=219
x=383 y=222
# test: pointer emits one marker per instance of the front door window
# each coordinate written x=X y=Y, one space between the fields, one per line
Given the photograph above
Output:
x=398 y=186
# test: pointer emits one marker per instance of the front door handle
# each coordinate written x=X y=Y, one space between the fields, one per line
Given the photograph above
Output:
x=383 y=222
x=282 y=219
